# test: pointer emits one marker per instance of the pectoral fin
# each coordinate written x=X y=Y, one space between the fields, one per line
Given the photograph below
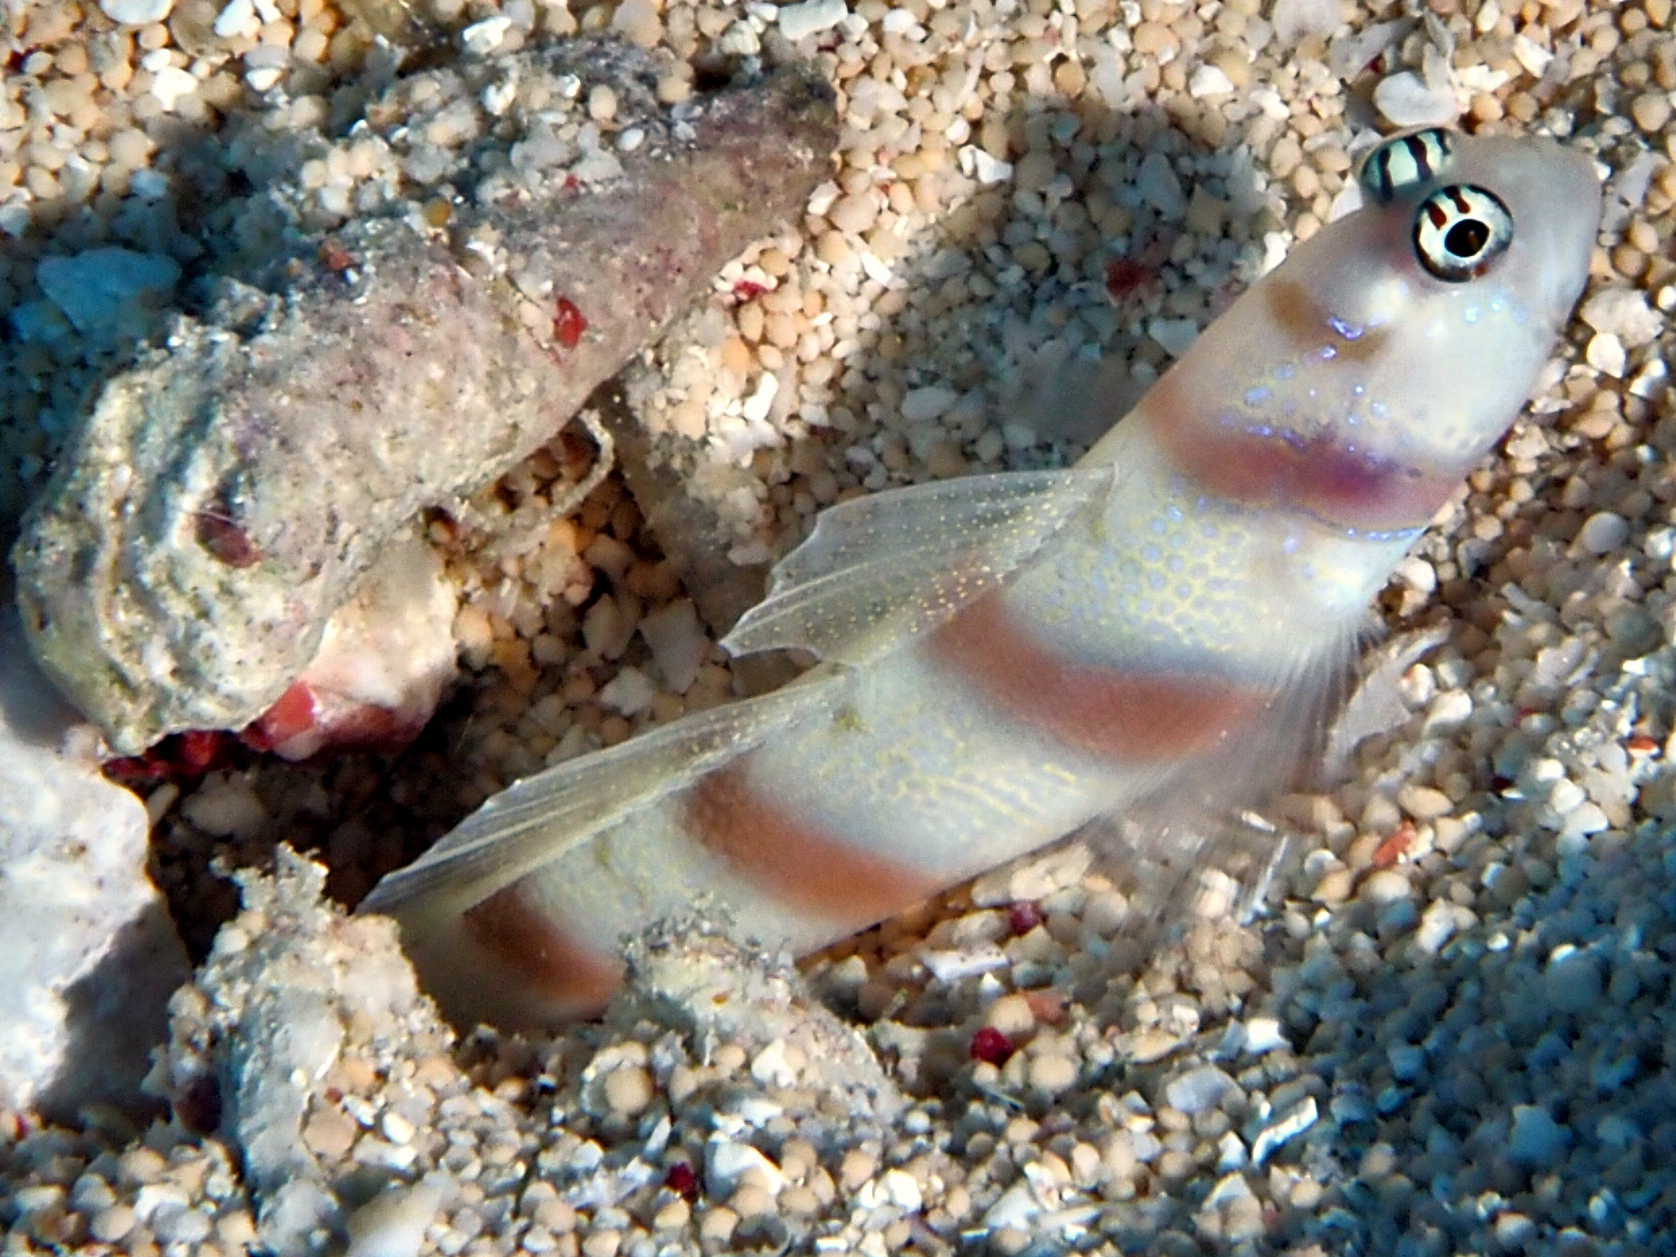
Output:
x=541 y=817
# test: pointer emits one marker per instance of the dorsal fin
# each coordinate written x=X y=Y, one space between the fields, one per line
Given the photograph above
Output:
x=880 y=570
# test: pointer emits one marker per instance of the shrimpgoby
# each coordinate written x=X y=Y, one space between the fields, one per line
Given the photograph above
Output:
x=1008 y=657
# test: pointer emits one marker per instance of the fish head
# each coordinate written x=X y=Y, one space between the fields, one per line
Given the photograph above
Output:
x=1417 y=325
x=1342 y=400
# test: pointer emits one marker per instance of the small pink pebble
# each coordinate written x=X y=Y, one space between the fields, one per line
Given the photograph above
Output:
x=568 y=324
x=682 y=1181
x=991 y=1046
x=1024 y=915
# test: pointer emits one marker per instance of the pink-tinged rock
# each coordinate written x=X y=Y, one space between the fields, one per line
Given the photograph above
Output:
x=384 y=660
x=217 y=502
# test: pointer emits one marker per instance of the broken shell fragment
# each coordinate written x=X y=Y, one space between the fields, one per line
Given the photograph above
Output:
x=384 y=660
x=219 y=500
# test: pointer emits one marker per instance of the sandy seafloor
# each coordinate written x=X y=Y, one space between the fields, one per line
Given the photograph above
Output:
x=1450 y=1028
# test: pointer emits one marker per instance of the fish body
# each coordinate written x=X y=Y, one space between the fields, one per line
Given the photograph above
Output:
x=1008 y=657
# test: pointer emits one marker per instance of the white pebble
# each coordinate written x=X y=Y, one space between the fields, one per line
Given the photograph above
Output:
x=822 y=198
x=1624 y=313
x=1262 y=1034
x=597 y=166
x=482 y=38
x=1209 y=80
x=1406 y=101
x=1566 y=796
x=1572 y=982
x=497 y=98
x=1424 y=803
x=1603 y=532
x=1014 y=1211
x=1605 y=353
x=1159 y=187
x=1531 y=55
x=901 y=1190
x=678 y=644
x=225 y=808
x=1230 y=1187
x=895 y=1188
x=922 y=405
x=951 y=966
x=726 y=1161
x=1449 y=710
x=1199 y=1090
x=136 y=12
x=900 y=21
x=1294 y=19
x=238 y=21
x=1437 y=926
x=393 y=1223
x=181 y=1226
x=1051 y=1073
x=170 y=84
x=1650 y=380
x=1175 y=335
x=1288 y=1125
x=757 y=405
x=1536 y=1139
x=1385 y=886
x=1417 y=574
x=987 y=170
x=1583 y=820
x=630 y=692
x=739 y=40
x=810 y=18
x=771 y=1068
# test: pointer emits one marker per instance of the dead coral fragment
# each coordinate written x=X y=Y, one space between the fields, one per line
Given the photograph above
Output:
x=291 y=990
x=221 y=499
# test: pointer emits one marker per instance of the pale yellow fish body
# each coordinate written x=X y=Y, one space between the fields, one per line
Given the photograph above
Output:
x=1008 y=657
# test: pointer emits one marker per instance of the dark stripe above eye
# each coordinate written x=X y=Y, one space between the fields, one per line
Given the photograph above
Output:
x=1416 y=148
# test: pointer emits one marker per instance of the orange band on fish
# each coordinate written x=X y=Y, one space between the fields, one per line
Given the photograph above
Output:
x=532 y=950
x=1265 y=467
x=1115 y=714
x=797 y=863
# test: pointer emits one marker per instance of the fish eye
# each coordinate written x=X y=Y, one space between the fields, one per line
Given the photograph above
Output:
x=1461 y=229
x=1406 y=162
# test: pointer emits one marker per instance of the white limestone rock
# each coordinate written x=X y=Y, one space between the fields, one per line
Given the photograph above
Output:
x=109 y=293
x=291 y=986
x=88 y=955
